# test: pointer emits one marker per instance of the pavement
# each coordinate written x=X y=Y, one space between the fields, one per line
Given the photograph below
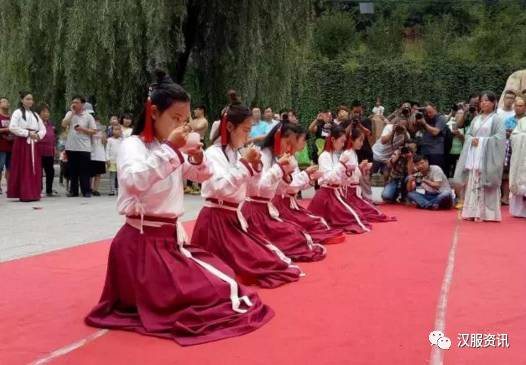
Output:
x=59 y=222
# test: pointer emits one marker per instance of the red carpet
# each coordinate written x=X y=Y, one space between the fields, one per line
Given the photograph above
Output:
x=488 y=294
x=371 y=301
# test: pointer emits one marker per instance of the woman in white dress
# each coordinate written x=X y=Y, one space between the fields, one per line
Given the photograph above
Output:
x=479 y=169
x=518 y=170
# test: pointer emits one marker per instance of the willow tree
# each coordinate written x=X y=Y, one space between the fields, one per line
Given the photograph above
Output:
x=108 y=49
x=255 y=47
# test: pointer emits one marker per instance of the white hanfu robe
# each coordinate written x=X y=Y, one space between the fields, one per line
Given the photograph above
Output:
x=479 y=168
x=518 y=170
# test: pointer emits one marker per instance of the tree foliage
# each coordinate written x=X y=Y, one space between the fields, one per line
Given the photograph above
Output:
x=305 y=54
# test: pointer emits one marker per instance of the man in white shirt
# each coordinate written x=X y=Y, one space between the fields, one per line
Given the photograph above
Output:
x=506 y=110
x=81 y=126
x=429 y=188
x=393 y=137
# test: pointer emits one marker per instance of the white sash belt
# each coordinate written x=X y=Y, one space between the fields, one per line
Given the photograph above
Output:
x=182 y=239
x=236 y=300
x=242 y=221
x=31 y=143
x=283 y=257
x=351 y=210
x=295 y=206
x=272 y=210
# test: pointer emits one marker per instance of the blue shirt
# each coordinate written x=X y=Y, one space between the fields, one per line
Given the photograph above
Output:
x=511 y=122
x=261 y=128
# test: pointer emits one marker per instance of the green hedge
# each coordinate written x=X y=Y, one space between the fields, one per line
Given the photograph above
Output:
x=330 y=83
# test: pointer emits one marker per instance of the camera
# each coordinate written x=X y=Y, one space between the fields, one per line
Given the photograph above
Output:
x=355 y=121
x=420 y=113
x=472 y=109
x=419 y=178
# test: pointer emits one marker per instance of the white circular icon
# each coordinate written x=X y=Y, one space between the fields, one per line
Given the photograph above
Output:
x=444 y=343
x=435 y=336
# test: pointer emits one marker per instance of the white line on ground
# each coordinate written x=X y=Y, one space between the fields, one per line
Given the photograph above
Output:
x=68 y=348
x=437 y=355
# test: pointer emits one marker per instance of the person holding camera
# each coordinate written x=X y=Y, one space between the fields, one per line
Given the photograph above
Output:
x=405 y=111
x=471 y=110
x=394 y=136
x=429 y=188
x=321 y=128
x=78 y=146
x=432 y=126
x=365 y=126
x=400 y=166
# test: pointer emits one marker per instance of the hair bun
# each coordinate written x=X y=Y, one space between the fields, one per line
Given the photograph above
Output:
x=161 y=78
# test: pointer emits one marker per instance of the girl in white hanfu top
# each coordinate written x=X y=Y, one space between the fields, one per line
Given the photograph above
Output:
x=221 y=227
x=351 y=187
x=290 y=209
x=25 y=174
x=278 y=165
x=156 y=283
x=329 y=201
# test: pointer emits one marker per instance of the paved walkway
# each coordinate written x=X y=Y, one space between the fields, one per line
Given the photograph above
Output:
x=59 y=222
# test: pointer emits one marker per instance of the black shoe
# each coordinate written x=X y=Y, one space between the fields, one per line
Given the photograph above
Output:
x=71 y=195
x=51 y=194
x=112 y=193
x=95 y=193
x=86 y=195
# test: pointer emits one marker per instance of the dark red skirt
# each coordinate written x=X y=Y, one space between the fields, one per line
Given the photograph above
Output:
x=366 y=209
x=154 y=289
x=219 y=231
x=25 y=183
x=337 y=213
x=288 y=236
x=316 y=226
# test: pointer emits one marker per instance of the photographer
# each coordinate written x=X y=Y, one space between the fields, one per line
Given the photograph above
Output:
x=321 y=128
x=393 y=137
x=432 y=126
x=471 y=110
x=429 y=188
x=401 y=165
x=365 y=126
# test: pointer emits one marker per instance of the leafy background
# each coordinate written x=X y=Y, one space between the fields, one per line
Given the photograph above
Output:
x=305 y=54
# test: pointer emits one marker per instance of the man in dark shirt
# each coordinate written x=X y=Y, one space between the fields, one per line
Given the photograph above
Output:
x=432 y=126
